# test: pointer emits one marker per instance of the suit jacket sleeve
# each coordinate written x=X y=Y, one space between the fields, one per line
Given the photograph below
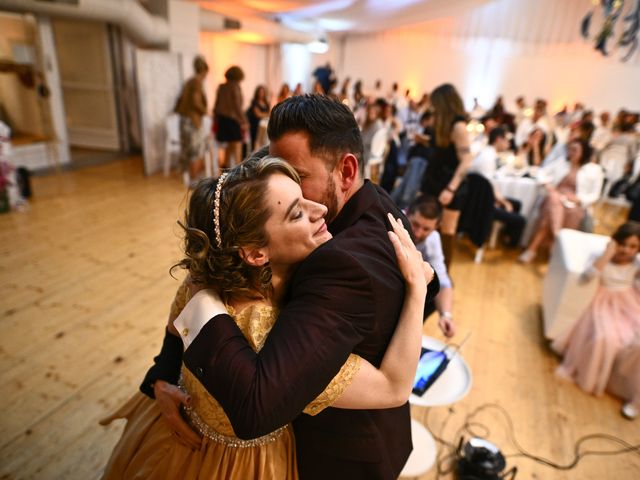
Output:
x=331 y=310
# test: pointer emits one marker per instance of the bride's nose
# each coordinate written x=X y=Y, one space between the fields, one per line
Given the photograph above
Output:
x=318 y=211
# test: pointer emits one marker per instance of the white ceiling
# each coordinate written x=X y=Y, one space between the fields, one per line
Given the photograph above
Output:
x=344 y=15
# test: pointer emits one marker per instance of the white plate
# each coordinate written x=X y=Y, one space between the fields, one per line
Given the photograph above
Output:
x=451 y=386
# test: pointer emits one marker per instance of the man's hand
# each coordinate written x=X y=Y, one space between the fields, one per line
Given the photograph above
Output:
x=168 y=399
x=447 y=326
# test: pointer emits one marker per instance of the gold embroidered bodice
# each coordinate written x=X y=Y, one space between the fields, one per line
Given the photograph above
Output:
x=255 y=322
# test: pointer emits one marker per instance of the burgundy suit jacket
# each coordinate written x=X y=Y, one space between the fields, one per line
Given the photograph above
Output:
x=345 y=297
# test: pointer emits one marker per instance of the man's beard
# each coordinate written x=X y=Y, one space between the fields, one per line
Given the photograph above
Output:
x=330 y=200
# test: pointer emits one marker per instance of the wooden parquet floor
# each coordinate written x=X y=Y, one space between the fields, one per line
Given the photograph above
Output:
x=85 y=294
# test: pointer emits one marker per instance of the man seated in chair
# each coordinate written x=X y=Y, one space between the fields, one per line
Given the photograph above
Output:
x=506 y=210
x=424 y=216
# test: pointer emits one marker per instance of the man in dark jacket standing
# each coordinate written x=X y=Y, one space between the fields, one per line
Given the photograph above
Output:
x=345 y=297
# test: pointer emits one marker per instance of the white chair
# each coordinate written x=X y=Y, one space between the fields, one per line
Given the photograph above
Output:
x=172 y=140
x=376 y=155
x=564 y=295
x=211 y=166
x=614 y=159
x=424 y=452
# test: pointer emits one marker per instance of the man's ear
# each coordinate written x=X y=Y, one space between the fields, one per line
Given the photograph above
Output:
x=255 y=257
x=348 y=170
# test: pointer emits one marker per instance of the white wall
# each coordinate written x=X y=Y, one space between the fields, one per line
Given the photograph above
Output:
x=221 y=52
x=184 y=25
x=506 y=47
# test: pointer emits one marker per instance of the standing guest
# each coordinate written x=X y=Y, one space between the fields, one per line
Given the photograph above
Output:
x=324 y=76
x=298 y=90
x=449 y=162
x=258 y=111
x=424 y=216
x=574 y=185
x=192 y=106
x=602 y=350
x=284 y=93
x=231 y=122
x=505 y=210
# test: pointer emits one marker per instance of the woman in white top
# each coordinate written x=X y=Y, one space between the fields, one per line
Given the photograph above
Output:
x=572 y=186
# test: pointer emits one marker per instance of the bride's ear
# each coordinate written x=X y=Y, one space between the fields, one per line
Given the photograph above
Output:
x=255 y=257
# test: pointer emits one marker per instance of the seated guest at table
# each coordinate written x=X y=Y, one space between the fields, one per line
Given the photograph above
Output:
x=521 y=110
x=284 y=93
x=424 y=215
x=534 y=148
x=538 y=120
x=602 y=350
x=602 y=134
x=572 y=186
x=506 y=210
x=580 y=131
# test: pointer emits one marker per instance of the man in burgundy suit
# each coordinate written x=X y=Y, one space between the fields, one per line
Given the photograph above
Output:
x=345 y=297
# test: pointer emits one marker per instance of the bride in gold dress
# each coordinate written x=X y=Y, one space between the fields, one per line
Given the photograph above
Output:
x=244 y=233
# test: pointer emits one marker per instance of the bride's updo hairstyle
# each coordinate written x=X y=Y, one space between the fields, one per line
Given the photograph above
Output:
x=239 y=218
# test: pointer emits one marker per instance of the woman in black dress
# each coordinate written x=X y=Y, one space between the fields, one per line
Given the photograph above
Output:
x=231 y=122
x=449 y=161
x=258 y=110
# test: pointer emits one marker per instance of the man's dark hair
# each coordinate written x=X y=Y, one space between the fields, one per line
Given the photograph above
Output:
x=427 y=115
x=330 y=126
x=495 y=134
x=427 y=206
x=586 y=130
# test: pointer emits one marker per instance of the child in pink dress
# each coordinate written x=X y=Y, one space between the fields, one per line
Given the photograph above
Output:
x=602 y=351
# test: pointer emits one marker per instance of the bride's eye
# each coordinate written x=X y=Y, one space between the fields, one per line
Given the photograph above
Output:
x=297 y=215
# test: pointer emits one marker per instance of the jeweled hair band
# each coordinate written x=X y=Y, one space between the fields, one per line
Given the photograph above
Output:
x=216 y=209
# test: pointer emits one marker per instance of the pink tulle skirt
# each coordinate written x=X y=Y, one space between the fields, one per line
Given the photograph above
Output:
x=602 y=351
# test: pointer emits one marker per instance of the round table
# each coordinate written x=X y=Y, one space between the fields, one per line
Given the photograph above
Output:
x=450 y=387
x=424 y=451
x=524 y=189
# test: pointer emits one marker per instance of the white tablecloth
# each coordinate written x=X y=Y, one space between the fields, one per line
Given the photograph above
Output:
x=523 y=189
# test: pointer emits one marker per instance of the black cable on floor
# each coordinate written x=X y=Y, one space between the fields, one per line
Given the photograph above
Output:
x=473 y=428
